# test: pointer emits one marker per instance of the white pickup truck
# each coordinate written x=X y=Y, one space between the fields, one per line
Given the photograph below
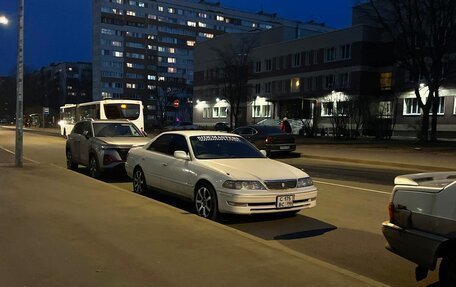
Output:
x=422 y=223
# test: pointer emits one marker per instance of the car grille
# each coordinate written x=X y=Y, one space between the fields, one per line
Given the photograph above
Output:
x=123 y=153
x=281 y=184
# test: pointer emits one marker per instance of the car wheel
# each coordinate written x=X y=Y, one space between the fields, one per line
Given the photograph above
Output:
x=447 y=271
x=69 y=160
x=206 y=202
x=139 y=181
x=94 y=168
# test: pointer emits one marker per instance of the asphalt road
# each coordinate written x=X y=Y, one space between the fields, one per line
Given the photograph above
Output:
x=343 y=230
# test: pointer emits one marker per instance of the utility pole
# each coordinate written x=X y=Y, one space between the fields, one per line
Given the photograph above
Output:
x=20 y=88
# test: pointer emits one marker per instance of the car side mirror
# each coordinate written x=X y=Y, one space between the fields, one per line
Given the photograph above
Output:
x=264 y=152
x=180 y=154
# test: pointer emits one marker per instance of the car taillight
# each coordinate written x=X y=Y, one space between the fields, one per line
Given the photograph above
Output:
x=268 y=140
x=391 y=212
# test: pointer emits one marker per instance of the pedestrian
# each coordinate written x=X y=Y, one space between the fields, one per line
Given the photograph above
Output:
x=285 y=126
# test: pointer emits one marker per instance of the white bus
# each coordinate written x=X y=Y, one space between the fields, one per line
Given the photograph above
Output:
x=70 y=114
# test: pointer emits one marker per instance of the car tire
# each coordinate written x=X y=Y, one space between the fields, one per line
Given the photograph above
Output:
x=69 y=160
x=139 y=181
x=447 y=271
x=94 y=168
x=205 y=201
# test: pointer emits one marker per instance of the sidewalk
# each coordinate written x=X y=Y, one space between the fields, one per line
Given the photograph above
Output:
x=61 y=228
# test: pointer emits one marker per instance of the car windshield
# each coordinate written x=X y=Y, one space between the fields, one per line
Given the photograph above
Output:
x=221 y=146
x=122 y=111
x=116 y=130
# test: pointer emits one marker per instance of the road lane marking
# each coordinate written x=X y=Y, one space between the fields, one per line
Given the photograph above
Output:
x=352 y=187
x=12 y=152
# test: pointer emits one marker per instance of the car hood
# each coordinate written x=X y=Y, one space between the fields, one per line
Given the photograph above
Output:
x=125 y=141
x=254 y=169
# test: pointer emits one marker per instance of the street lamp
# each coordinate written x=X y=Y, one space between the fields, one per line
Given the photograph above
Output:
x=20 y=88
x=4 y=20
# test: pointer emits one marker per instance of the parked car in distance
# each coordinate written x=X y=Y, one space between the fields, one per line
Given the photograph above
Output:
x=269 y=138
x=422 y=223
x=222 y=127
x=180 y=126
x=101 y=145
x=219 y=173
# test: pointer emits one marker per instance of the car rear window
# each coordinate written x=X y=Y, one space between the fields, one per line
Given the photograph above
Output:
x=116 y=130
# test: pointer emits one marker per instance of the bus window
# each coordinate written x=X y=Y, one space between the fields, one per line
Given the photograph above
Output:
x=89 y=112
x=122 y=111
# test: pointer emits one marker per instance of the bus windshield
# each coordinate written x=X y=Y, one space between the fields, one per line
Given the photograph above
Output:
x=122 y=111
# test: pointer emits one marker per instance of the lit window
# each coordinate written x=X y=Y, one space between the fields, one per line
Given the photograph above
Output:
x=172 y=60
x=220 y=18
x=327 y=108
x=191 y=23
x=118 y=54
x=171 y=10
x=386 y=81
x=202 y=15
x=190 y=43
x=161 y=78
x=131 y=13
x=384 y=109
x=129 y=65
x=201 y=24
x=411 y=107
x=160 y=8
x=295 y=85
x=151 y=77
x=172 y=70
x=172 y=50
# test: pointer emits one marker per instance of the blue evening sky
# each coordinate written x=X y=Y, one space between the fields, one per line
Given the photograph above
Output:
x=60 y=30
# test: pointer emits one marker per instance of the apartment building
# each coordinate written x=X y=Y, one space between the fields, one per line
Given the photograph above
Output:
x=143 y=49
x=302 y=78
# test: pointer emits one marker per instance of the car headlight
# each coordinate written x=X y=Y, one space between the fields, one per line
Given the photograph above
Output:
x=303 y=182
x=243 y=184
x=108 y=147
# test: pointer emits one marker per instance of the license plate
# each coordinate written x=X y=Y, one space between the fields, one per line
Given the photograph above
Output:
x=284 y=147
x=284 y=201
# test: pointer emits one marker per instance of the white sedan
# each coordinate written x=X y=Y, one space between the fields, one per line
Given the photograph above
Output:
x=220 y=173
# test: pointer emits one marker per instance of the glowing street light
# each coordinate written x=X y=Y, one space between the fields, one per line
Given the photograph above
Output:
x=4 y=20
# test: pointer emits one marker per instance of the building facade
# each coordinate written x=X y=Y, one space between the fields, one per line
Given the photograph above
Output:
x=143 y=49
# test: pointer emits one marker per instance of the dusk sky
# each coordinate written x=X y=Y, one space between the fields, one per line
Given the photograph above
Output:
x=60 y=30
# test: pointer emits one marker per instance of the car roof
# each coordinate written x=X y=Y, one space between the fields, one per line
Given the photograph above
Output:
x=107 y=121
x=189 y=133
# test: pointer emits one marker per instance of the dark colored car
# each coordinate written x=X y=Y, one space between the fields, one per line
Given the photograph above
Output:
x=269 y=138
x=180 y=126
x=222 y=127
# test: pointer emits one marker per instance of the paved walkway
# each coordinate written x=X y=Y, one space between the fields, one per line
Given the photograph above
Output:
x=62 y=228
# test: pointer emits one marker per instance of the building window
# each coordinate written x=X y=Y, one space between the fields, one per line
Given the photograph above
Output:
x=315 y=57
x=268 y=65
x=384 y=109
x=386 y=81
x=329 y=83
x=172 y=60
x=345 y=51
x=258 y=89
x=441 y=108
x=296 y=60
x=330 y=54
x=267 y=88
x=258 y=67
x=190 y=43
x=295 y=85
x=344 y=80
x=206 y=113
x=220 y=18
x=191 y=23
x=309 y=84
x=327 y=109
x=411 y=107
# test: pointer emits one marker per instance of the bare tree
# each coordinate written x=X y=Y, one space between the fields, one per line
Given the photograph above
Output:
x=233 y=69
x=422 y=32
x=164 y=99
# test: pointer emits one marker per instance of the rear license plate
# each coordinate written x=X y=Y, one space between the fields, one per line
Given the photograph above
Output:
x=284 y=201
x=284 y=147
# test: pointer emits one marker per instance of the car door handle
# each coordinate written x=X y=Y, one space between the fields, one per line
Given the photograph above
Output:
x=164 y=164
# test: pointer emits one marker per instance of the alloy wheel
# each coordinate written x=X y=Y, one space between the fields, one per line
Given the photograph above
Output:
x=204 y=202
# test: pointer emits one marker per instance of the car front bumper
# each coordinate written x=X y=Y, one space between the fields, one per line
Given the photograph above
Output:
x=265 y=202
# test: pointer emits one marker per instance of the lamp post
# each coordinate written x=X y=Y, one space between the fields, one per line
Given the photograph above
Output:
x=20 y=88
